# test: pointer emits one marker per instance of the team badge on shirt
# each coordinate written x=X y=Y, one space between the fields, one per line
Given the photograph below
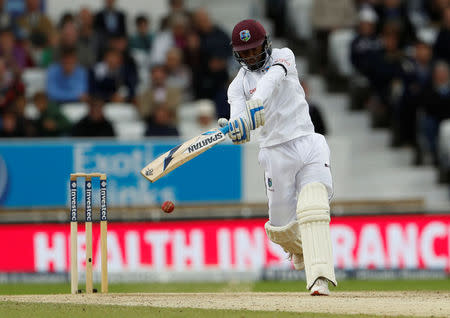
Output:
x=269 y=184
x=245 y=35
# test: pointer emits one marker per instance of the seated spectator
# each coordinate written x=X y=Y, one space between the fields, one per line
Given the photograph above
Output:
x=26 y=125
x=129 y=68
x=15 y=55
x=67 y=80
x=94 y=124
x=143 y=38
x=213 y=40
x=435 y=9
x=435 y=102
x=176 y=8
x=441 y=48
x=159 y=93
x=414 y=76
x=10 y=125
x=160 y=122
x=395 y=12
x=88 y=39
x=205 y=113
x=6 y=20
x=191 y=53
x=110 y=21
x=10 y=86
x=178 y=75
x=50 y=52
x=51 y=121
x=366 y=45
x=167 y=39
x=35 y=25
x=212 y=83
x=107 y=78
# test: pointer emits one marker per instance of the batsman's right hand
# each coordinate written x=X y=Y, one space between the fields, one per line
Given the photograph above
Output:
x=239 y=131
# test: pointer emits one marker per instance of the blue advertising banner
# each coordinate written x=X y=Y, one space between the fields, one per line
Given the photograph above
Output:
x=35 y=174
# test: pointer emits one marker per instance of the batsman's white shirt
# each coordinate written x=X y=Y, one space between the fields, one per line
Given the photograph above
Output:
x=291 y=154
x=286 y=109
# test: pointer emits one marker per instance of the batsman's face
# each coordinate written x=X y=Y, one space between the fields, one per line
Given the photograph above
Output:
x=252 y=56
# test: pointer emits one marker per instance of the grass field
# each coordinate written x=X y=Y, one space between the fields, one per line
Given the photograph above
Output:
x=20 y=308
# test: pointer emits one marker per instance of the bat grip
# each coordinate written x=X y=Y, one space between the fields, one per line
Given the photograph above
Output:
x=224 y=130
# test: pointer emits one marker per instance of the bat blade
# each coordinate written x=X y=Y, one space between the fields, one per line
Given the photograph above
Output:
x=182 y=153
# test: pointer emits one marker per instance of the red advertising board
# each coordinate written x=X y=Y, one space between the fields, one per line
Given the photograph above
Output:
x=408 y=241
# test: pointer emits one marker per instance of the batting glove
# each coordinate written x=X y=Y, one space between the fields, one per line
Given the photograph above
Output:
x=239 y=132
x=255 y=113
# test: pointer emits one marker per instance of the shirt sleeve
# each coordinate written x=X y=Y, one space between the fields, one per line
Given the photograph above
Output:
x=236 y=98
x=282 y=65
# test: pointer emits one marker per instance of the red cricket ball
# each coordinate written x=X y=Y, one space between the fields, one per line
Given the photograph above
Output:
x=168 y=206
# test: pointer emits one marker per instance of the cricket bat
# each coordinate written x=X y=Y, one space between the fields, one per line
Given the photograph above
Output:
x=182 y=153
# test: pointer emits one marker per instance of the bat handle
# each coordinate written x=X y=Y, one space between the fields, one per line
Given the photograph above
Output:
x=224 y=130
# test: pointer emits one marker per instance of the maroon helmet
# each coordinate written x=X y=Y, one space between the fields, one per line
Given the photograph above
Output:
x=249 y=34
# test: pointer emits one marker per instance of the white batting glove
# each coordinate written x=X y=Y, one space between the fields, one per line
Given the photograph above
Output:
x=239 y=132
x=255 y=113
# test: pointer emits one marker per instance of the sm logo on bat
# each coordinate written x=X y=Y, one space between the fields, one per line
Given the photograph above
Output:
x=204 y=142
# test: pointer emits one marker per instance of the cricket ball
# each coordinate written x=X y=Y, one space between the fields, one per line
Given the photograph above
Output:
x=168 y=206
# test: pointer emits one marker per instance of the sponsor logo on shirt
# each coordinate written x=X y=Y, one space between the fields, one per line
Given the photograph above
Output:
x=282 y=61
x=252 y=91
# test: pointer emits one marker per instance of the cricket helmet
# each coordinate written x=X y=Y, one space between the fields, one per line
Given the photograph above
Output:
x=249 y=34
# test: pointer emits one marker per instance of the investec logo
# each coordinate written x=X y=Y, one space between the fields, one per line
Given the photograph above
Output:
x=88 y=203
x=103 y=204
x=73 y=201
x=204 y=142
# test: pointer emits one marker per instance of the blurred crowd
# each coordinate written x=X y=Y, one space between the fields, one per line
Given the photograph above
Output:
x=92 y=58
x=398 y=56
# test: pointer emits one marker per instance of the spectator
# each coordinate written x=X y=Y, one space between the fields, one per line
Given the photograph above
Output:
x=414 y=77
x=67 y=81
x=26 y=125
x=15 y=55
x=178 y=75
x=159 y=93
x=212 y=83
x=442 y=45
x=34 y=25
x=167 y=39
x=394 y=12
x=107 y=79
x=213 y=40
x=6 y=20
x=10 y=125
x=366 y=45
x=128 y=69
x=160 y=122
x=328 y=16
x=191 y=53
x=143 y=38
x=176 y=8
x=51 y=121
x=205 y=113
x=10 y=86
x=49 y=54
x=435 y=9
x=94 y=124
x=435 y=102
x=88 y=40
x=110 y=21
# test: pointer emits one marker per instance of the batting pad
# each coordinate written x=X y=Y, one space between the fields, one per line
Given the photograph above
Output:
x=288 y=237
x=313 y=215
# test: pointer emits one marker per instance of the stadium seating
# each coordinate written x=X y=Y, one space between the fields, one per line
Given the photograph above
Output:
x=74 y=111
x=34 y=80
x=339 y=51
x=121 y=112
x=129 y=130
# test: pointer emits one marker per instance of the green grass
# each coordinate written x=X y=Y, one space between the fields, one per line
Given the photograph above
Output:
x=268 y=286
x=15 y=310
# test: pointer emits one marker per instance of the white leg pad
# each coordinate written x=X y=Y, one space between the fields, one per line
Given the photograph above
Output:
x=313 y=215
x=288 y=237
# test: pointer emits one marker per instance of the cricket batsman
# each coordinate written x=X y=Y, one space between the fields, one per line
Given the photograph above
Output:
x=267 y=93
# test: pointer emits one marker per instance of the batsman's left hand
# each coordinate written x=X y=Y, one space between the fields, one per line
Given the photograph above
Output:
x=255 y=113
x=239 y=131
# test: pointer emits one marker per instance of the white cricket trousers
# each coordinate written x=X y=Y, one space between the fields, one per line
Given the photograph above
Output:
x=288 y=168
